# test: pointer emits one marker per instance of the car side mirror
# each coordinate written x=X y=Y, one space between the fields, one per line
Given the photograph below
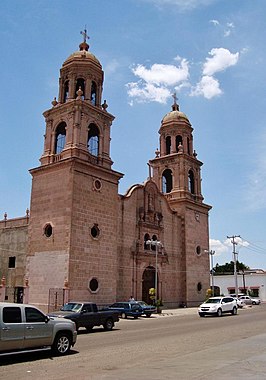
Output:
x=46 y=319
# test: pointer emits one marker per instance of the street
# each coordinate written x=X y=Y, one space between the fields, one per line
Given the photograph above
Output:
x=181 y=346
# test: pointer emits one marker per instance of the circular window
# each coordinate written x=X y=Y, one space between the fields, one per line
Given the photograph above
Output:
x=198 y=250
x=93 y=285
x=97 y=184
x=95 y=232
x=48 y=230
x=199 y=287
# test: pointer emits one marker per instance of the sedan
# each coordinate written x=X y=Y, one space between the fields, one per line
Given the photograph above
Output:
x=250 y=300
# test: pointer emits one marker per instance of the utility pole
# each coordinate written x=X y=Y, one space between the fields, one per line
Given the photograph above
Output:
x=235 y=260
x=211 y=253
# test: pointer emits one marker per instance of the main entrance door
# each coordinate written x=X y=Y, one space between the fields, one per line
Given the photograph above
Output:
x=148 y=281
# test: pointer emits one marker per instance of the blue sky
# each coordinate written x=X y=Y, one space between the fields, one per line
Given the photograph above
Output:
x=210 y=52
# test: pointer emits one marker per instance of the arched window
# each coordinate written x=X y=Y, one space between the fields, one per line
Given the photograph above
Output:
x=178 y=140
x=66 y=90
x=191 y=182
x=167 y=181
x=168 y=144
x=60 y=138
x=93 y=140
x=93 y=93
x=146 y=238
x=80 y=84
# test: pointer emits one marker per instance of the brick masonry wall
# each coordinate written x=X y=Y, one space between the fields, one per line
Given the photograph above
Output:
x=13 y=243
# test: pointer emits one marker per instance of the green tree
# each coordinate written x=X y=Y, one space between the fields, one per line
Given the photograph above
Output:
x=229 y=267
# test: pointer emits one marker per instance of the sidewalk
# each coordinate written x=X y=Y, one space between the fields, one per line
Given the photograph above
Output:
x=177 y=312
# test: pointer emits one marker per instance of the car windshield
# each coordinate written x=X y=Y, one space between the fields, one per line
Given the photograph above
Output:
x=213 y=300
x=71 y=306
x=142 y=303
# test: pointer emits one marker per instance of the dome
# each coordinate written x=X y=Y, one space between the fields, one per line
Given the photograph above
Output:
x=174 y=116
x=82 y=55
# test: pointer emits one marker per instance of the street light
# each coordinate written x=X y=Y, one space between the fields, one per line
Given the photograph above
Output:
x=211 y=253
x=155 y=243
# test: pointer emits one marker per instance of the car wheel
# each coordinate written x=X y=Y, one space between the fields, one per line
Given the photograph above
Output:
x=253 y=303
x=88 y=328
x=234 y=311
x=123 y=315
x=62 y=343
x=219 y=312
x=148 y=315
x=109 y=324
x=201 y=315
x=135 y=317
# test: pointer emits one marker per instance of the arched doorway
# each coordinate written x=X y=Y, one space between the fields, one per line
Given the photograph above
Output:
x=148 y=281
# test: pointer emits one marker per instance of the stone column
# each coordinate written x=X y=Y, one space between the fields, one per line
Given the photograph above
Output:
x=26 y=291
x=3 y=289
x=66 y=291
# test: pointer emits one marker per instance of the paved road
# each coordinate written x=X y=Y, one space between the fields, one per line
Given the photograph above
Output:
x=176 y=345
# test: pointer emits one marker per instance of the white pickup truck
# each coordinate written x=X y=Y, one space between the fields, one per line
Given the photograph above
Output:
x=24 y=327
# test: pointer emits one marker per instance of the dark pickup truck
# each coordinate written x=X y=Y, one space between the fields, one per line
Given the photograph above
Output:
x=86 y=314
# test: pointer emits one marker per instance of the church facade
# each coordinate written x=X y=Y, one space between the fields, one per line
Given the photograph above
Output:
x=85 y=241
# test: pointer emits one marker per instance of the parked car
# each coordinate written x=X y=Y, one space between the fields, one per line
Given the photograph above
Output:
x=23 y=327
x=86 y=314
x=240 y=303
x=218 y=306
x=147 y=310
x=127 y=309
x=250 y=300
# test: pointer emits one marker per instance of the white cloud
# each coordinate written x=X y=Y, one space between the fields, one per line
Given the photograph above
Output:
x=183 y=5
x=218 y=246
x=228 y=31
x=160 y=74
x=226 y=247
x=214 y=22
x=208 y=86
x=155 y=83
x=221 y=59
x=147 y=92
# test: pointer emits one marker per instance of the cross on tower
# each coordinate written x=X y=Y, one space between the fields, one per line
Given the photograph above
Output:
x=175 y=97
x=175 y=106
x=85 y=35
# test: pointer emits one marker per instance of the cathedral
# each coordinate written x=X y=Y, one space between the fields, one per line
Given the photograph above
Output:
x=81 y=239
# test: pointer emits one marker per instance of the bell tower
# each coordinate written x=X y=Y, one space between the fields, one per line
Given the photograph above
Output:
x=177 y=173
x=74 y=199
x=78 y=125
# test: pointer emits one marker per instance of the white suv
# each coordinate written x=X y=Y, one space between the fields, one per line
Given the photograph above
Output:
x=218 y=306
